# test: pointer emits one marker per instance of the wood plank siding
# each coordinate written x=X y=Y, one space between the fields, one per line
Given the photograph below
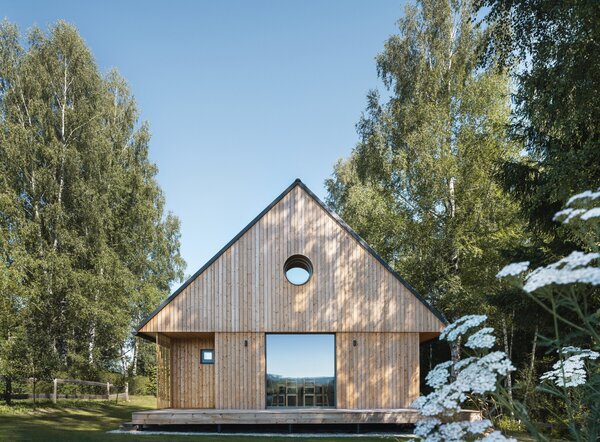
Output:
x=244 y=289
x=289 y=416
x=242 y=294
x=163 y=369
x=381 y=371
x=240 y=380
x=193 y=383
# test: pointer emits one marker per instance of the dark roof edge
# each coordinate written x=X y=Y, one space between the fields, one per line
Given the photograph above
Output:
x=334 y=216
x=145 y=336
x=219 y=253
x=376 y=255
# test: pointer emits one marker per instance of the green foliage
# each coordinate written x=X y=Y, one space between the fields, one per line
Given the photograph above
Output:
x=551 y=49
x=568 y=291
x=420 y=186
x=86 y=247
x=142 y=385
x=508 y=425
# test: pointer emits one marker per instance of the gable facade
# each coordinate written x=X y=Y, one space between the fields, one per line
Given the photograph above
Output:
x=241 y=295
x=244 y=288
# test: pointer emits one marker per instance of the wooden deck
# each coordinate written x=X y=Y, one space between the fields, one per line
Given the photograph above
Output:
x=173 y=416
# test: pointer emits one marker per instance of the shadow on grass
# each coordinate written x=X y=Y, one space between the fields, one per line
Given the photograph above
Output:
x=70 y=421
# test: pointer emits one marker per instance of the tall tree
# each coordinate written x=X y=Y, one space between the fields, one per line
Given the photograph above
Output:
x=420 y=185
x=89 y=240
x=551 y=49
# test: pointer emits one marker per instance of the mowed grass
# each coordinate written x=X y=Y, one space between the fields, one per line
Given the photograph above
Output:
x=90 y=420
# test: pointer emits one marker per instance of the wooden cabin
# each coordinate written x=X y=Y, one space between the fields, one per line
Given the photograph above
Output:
x=295 y=320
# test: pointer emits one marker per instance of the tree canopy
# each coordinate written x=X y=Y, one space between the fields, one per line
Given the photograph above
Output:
x=420 y=185
x=87 y=247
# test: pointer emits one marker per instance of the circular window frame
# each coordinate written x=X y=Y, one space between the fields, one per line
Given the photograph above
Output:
x=301 y=262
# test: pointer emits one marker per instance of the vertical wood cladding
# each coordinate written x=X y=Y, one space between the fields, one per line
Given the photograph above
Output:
x=381 y=371
x=163 y=369
x=240 y=370
x=193 y=383
x=244 y=294
x=245 y=289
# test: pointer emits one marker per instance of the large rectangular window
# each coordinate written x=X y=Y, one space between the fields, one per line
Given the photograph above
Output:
x=300 y=370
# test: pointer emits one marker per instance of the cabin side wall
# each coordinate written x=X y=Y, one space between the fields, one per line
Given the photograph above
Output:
x=163 y=370
x=373 y=370
x=193 y=383
x=380 y=371
x=240 y=371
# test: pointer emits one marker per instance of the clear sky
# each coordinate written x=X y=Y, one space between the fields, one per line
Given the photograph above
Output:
x=242 y=96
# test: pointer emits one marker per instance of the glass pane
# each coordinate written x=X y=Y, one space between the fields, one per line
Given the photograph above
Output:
x=297 y=275
x=301 y=370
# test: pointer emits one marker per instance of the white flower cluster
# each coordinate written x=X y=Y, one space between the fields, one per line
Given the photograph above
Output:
x=572 y=269
x=473 y=375
x=434 y=430
x=570 y=213
x=496 y=436
x=439 y=375
x=570 y=372
x=514 y=269
x=461 y=326
x=591 y=213
x=587 y=195
x=481 y=339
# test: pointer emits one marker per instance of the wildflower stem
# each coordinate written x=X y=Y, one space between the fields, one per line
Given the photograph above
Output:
x=554 y=312
x=568 y=401
x=585 y=318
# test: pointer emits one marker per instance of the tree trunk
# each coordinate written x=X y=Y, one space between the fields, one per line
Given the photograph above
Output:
x=533 y=348
x=135 y=357
x=91 y=344
x=62 y=302
x=8 y=390
x=531 y=375
x=92 y=335
x=34 y=389
x=508 y=379
x=452 y=207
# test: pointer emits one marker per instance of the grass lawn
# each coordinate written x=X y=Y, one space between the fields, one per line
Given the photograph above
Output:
x=89 y=420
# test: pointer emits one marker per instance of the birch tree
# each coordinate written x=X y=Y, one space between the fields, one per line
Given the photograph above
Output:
x=89 y=239
x=419 y=186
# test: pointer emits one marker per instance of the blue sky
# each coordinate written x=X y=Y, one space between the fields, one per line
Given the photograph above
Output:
x=242 y=96
x=301 y=356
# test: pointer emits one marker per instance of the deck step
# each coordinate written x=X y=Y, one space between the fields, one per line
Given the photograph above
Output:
x=128 y=426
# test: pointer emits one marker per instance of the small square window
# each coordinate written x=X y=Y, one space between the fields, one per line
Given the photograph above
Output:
x=207 y=356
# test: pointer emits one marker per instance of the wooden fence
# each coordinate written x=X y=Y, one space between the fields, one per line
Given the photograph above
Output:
x=108 y=386
x=55 y=395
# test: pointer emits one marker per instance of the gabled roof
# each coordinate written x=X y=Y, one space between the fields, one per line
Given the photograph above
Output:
x=334 y=216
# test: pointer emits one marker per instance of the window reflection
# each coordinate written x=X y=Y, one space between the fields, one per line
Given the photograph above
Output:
x=300 y=370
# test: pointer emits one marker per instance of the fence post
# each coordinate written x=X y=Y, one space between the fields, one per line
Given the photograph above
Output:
x=108 y=390
x=55 y=393
x=127 y=391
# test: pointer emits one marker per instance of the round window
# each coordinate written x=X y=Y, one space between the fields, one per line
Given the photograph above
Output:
x=298 y=269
